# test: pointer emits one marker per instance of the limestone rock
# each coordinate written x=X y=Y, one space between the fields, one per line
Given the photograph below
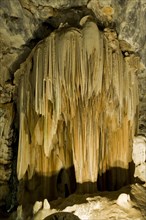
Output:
x=20 y=15
x=5 y=153
x=130 y=19
x=5 y=95
x=103 y=10
x=6 y=139
x=124 y=201
x=125 y=46
x=131 y=14
x=139 y=157
x=139 y=150
x=56 y=4
x=19 y=213
x=37 y=206
x=140 y=172
x=6 y=133
x=46 y=204
x=6 y=120
x=142 y=105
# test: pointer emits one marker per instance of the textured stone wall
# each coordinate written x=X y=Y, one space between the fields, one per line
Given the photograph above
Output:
x=25 y=22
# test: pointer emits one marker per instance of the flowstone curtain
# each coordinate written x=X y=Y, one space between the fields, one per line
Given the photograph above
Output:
x=78 y=101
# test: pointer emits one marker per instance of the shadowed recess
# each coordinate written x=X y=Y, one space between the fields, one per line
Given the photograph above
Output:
x=62 y=216
x=59 y=185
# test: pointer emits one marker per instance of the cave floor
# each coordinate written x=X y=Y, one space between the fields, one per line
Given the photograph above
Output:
x=102 y=205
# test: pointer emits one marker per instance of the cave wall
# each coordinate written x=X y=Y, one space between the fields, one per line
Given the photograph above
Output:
x=24 y=23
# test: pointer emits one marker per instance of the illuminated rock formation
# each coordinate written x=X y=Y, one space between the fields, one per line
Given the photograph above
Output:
x=78 y=100
x=139 y=157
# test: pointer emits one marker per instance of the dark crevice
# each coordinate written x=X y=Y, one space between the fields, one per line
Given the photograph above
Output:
x=62 y=216
x=11 y=199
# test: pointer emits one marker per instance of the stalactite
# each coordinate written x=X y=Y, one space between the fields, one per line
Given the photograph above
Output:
x=78 y=103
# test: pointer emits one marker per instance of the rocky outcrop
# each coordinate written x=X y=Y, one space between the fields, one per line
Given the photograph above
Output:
x=37 y=206
x=130 y=18
x=6 y=139
x=23 y=24
x=139 y=157
x=124 y=201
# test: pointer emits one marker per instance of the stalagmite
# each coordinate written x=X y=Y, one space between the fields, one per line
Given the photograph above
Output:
x=124 y=201
x=78 y=104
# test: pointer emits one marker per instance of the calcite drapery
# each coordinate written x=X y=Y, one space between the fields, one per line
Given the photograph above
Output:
x=78 y=104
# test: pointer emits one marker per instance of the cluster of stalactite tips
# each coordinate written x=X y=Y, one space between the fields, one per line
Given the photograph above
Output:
x=78 y=105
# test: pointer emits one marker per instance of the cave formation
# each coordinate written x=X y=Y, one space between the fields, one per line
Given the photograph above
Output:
x=78 y=107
